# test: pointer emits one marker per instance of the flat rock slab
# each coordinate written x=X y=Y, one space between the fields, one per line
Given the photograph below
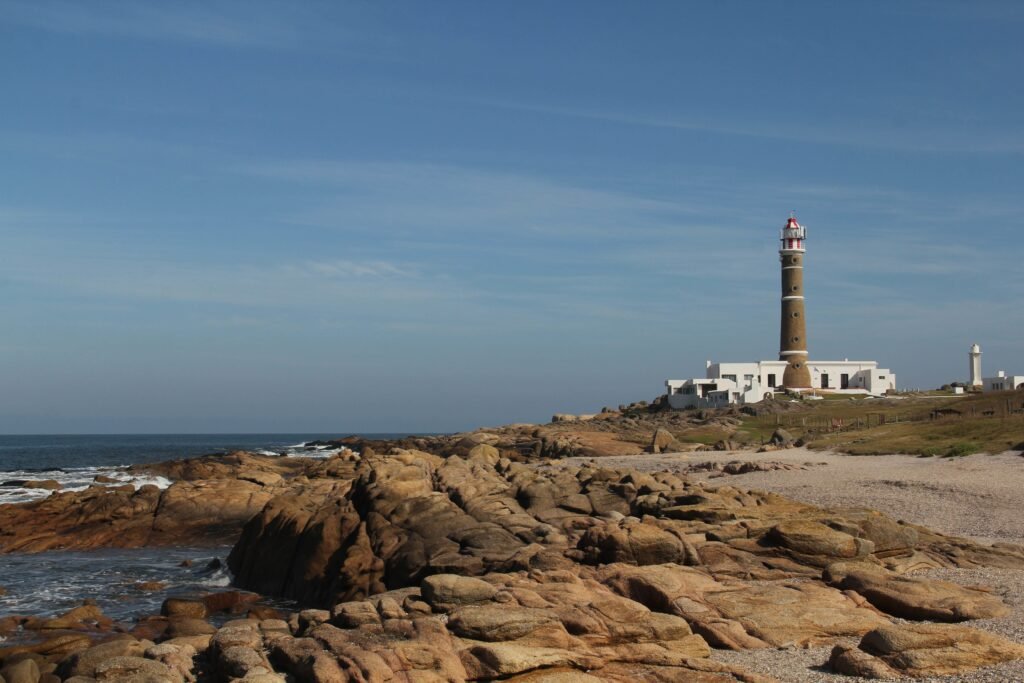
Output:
x=921 y=650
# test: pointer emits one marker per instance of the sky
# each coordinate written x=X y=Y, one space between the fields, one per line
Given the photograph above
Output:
x=403 y=216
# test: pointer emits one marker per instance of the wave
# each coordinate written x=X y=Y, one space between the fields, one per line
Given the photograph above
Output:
x=13 y=487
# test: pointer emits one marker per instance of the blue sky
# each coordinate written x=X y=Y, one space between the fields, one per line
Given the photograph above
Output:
x=377 y=216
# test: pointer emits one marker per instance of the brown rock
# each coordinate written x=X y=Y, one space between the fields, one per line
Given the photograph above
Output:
x=921 y=650
x=84 y=663
x=48 y=484
x=633 y=542
x=813 y=539
x=24 y=671
x=234 y=602
x=135 y=668
x=449 y=590
x=914 y=598
x=180 y=607
x=150 y=586
x=183 y=627
x=663 y=441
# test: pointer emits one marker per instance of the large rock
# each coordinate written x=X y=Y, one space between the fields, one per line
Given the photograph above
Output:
x=914 y=598
x=24 y=671
x=663 y=441
x=449 y=590
x=86 y=662
x=740 y=616
x=210 y=503
x=812 y=539
x=135 y=669
x=921 y=650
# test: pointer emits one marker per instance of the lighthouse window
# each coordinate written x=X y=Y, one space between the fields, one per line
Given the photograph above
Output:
x=796 y=314
x=796 y=339
x=795 y=288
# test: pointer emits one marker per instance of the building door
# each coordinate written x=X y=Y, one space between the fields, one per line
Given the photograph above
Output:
x=844 y=381
x=824 y=380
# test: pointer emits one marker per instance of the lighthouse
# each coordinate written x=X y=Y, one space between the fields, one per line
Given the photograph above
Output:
x=793 y=330
x=975 y=355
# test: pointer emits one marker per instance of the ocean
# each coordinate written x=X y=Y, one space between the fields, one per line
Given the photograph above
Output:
x=52 y=582
x=75 y=460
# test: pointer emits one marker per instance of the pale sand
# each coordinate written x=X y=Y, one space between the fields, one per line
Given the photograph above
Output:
x=978 y=496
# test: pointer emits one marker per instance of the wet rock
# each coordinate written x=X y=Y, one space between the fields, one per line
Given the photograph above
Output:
x=83 y=617
x=183 y=627
x=181 y=607
x=150 y=586
x=47 y=484
x=234 y=602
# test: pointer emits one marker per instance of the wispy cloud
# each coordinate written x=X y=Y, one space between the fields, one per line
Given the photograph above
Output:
x=358 y=269
x=215 y=23
x=852 y=133
x=413 y=197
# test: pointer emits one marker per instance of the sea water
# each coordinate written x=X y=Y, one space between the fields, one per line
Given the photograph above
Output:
x=52 y=582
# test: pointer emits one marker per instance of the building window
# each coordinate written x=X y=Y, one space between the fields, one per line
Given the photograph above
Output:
x=771 y=381
x=824 y=381
x=844 y=381
x=731 y=378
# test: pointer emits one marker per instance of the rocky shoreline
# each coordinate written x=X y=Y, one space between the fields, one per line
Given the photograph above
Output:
x=469 y=558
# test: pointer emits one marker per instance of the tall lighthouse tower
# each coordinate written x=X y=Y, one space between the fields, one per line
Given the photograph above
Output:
x=793 y=330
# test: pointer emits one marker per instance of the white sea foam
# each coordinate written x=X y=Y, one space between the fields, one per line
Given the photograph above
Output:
x=70 y=479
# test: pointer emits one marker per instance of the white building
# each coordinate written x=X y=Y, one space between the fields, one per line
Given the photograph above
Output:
x=733 y=383
x=739 y=383
x=1002 y=382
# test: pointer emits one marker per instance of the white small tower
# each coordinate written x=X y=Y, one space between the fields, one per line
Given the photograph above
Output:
x=975 y=355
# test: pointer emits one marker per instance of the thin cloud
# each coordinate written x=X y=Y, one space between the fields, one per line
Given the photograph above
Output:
x=854 y=134
x=402 y=198
x=214 y=23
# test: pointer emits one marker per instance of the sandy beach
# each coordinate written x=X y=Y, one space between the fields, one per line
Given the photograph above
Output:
x=977 y=496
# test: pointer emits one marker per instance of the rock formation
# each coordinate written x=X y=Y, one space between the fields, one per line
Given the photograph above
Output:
x=469 y=564
x=208 y=503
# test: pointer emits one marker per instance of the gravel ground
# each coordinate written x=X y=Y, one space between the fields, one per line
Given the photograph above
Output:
x=978 y=496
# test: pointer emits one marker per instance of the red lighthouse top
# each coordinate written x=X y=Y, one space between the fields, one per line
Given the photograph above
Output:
x=793 y=235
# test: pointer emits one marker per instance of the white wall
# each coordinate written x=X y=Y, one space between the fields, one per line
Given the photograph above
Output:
x=1004 y=383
